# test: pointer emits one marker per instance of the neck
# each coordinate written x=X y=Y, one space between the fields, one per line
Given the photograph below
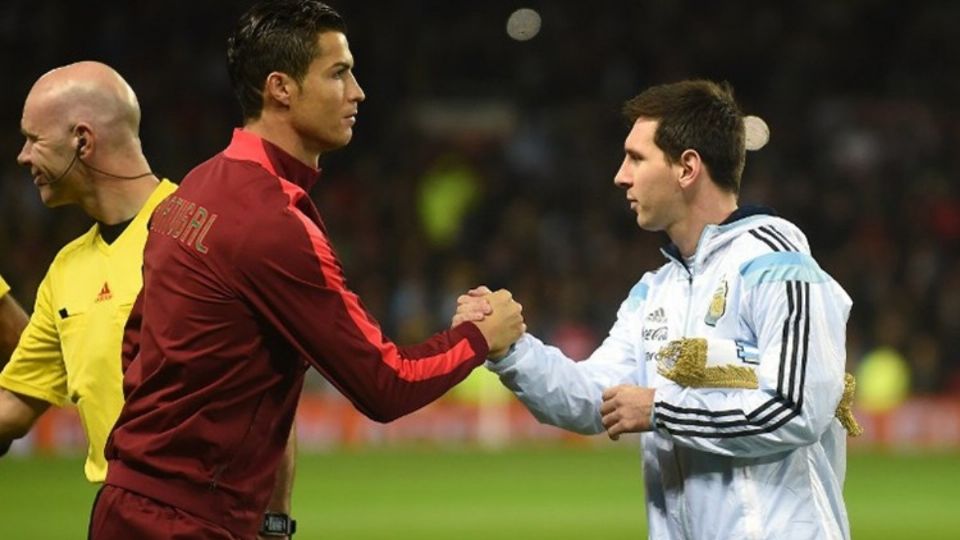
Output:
x=685 y=233
x=115 y=201
x=280 y=132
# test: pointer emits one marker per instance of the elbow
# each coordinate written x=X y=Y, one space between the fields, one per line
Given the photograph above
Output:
x=383 y=417
x=806 y=434
x=382 y=412
x=808 y=428
x=15 y=422
x=10 y=432
x=816 y=415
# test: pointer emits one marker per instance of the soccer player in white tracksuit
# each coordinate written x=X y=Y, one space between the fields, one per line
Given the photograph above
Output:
x=718 y=463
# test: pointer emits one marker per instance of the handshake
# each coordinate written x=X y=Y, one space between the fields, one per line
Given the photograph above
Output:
x=498 y=316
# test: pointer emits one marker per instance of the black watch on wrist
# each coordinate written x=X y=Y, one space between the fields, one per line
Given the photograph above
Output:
x=277 y=524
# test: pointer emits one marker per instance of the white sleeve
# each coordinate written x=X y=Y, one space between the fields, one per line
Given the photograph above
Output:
x=798 y=315
x=562 y=392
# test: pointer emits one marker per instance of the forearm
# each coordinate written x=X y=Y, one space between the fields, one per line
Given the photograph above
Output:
x=18 y=414
x=283 y=486
x=329 y=327
x=799 y=328
x=557 y=390
x=745 y=423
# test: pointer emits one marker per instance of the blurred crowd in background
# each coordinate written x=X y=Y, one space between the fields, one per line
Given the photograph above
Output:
x=479 y=159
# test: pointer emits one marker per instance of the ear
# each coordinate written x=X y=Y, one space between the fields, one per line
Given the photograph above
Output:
x=85 y=140
x=279 y=88
x=691 y=166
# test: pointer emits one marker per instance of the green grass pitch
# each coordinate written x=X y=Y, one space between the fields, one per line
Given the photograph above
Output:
x=548 y=492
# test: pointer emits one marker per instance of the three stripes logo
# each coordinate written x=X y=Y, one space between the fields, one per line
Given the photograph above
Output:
x=657 y=316
x=773 y=238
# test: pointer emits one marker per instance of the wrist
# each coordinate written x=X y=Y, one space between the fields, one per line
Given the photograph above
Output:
x=496 y=356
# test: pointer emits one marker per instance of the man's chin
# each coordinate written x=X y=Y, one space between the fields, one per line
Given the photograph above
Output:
x=647 y=224
x=642 y=222
x=49 y=198
x=336 y=142
x=345 y=138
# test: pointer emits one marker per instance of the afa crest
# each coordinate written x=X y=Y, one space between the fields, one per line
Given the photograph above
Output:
x=718 y=304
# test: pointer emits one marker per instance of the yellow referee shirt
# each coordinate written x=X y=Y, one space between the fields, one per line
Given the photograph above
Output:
x=4 y=288
x=70 y=350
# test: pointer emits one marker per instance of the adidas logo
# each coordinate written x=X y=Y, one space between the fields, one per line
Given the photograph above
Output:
x=105 y=293
x=657 y=316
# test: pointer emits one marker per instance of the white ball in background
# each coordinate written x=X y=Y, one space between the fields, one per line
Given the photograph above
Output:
x=756 y=131
x=523 y=24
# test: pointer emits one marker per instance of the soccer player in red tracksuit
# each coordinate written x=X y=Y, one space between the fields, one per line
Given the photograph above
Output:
x=243 y=292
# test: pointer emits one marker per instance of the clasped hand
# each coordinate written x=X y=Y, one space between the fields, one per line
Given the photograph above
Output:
x=498 y=316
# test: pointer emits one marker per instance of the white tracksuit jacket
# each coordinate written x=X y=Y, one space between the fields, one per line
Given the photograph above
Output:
x=721 y=463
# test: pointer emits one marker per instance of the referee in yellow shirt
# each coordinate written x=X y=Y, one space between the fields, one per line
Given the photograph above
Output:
x=12 y=322
x=81 y=124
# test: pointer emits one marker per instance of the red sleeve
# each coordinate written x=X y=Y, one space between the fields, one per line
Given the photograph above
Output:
x=293 y=278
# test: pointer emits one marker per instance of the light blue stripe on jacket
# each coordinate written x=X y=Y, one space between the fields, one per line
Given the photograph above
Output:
x=782 y=266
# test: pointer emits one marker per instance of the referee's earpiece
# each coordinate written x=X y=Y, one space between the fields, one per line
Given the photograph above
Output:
x=81 y=142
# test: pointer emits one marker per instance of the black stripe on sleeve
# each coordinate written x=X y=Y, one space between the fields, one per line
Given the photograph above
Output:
x=730 y=434
x=764 y=240
x=785 y=339
x=795 y=347
x=744 y=420
x=806 y=345
x=780 y=236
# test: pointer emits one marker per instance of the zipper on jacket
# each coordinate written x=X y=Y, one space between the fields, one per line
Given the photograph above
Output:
x=681 y=514
x=685 y=327
x=682 y=497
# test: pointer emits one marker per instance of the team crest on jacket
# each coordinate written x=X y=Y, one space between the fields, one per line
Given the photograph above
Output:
x=718 y=304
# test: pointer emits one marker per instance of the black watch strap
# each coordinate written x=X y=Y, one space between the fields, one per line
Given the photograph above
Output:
x=277 y=524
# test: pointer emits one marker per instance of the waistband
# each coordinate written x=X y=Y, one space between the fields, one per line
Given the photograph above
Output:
x=206 y=501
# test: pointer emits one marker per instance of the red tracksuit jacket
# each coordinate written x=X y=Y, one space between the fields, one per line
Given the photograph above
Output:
x=242 y=292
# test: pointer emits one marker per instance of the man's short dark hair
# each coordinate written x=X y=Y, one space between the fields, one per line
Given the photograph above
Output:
x=275 y=35
x=698 y=115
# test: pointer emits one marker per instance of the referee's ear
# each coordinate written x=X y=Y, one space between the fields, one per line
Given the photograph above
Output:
x=85 y=140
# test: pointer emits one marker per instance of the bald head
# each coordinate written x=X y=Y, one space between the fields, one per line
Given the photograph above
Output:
x=80 y=126
x=88 y=93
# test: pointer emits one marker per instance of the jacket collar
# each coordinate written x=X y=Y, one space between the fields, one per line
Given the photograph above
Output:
x=248 y=146
x=713 y=236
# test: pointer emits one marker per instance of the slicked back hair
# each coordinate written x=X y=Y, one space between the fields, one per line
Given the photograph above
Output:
x=697 y=115
x=275 y=35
